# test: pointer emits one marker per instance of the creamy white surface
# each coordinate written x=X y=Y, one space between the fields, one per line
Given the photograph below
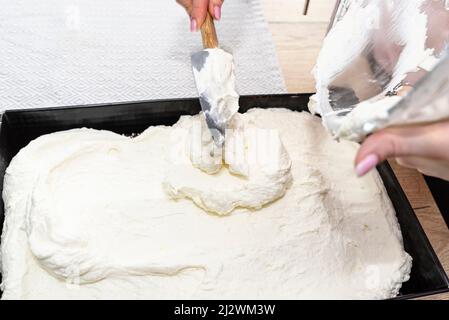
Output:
x=251 y=170
x=91 y=203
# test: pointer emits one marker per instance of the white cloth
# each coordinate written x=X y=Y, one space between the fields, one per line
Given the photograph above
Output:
x=74 y=52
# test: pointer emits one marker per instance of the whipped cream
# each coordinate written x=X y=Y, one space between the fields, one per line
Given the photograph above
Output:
x=88 y=217
x=253 y=169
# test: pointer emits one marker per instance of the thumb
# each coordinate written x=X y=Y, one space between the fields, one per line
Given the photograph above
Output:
x=197 y=10
x=187 y=4
x=215 y=8
x=198 y=14
x=417 y=141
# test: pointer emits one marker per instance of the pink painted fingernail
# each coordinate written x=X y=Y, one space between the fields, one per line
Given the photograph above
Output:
x=217 y=12
x=367 y=164
x=193 y=25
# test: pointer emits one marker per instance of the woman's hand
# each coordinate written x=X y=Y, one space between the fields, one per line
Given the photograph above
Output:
x=423 y=147
x=197 y=10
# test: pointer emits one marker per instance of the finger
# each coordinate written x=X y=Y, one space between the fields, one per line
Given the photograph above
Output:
x=378 y=147
x=421 y=141
x=215 y=8
x=437 y=169
x=198 y=14
x=407 y=162
x=414 y=162
x=187 y=4
x=429 y=167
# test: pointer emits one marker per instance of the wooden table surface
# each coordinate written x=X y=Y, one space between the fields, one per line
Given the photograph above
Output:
x=298 y=40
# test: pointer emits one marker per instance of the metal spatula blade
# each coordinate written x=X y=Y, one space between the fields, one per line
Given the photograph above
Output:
x=215 y=125
x=201 y=60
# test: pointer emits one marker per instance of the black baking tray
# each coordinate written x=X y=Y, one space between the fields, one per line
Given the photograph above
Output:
x=440 y=189
x=19 y=127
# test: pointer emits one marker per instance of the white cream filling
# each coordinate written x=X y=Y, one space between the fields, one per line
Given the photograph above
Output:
x=252 y=170
x=87 y=217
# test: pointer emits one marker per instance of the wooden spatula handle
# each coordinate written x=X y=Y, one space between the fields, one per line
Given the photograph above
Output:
x=208 y=33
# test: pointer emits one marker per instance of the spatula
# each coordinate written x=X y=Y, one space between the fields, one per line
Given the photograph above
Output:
x=213 y=70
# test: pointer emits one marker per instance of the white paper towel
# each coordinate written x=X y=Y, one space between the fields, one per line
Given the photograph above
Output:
x=74 y=52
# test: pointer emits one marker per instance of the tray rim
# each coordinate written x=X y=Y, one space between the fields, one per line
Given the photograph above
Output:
x=149 y=101
x=386 y=166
